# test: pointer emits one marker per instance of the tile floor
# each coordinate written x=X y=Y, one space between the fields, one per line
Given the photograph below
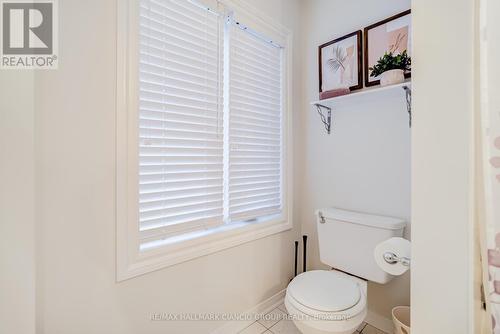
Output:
x=271 y=324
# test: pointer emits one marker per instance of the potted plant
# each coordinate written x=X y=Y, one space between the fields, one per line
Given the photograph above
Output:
x=391 y=68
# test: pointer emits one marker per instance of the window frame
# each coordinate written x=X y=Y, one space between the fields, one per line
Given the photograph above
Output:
x=131 y=261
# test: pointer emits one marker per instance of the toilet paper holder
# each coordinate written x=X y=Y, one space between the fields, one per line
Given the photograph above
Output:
x=392 y=258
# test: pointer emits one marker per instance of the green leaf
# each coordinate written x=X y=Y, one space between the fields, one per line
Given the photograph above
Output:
x=389 y=61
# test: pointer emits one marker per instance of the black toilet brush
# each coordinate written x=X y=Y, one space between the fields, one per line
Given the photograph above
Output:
x=304 y=238
x=296 y=255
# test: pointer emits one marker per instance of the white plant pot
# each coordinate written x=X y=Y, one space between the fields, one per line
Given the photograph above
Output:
x=392 y=77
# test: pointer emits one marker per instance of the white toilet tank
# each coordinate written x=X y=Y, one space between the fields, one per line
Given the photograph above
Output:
x=347 y=240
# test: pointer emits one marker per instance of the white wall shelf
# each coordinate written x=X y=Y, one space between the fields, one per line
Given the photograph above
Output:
x=363 y=96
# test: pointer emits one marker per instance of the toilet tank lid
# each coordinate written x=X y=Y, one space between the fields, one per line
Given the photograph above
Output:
x=388 y=223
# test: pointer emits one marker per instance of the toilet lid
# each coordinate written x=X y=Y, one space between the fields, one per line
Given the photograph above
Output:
x=326 y=291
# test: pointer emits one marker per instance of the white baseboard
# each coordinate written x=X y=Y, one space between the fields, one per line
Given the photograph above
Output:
x=232 y=327
x=380 y=322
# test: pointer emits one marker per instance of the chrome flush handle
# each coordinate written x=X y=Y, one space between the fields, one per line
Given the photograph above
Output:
x=321 y=218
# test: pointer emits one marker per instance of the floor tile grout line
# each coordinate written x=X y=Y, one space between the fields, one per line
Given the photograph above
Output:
x=377 y=329
x=253 y=323
x=274 y=309
x=274 y=325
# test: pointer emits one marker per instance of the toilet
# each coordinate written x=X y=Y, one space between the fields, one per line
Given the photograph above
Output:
x=334 y=301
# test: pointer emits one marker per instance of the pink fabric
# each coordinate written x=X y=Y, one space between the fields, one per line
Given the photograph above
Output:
x=492 y=173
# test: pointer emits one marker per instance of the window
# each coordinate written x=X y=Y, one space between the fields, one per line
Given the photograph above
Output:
x=202 y=131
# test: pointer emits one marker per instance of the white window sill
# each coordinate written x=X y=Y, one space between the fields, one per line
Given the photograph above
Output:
x=162 y=254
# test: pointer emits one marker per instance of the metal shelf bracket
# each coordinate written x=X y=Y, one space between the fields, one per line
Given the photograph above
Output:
x=326 y=119
x=408 y=102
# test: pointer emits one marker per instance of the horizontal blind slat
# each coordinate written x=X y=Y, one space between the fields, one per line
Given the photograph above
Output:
x=255 y=121
x=242 y=131
x=259 y=209
x=244 y=69
x=169 y=107
x=257 y=60
x=175 y=52
x=266 y=50
x=185 y=9
x=146 y=133
x=178 y=82
x=171 y=34
x=171 y=71
x=260 y=198
x=252 y=192
x=245 y=77
x=248 y=89
x=164 y=15
x=254 y=213
x=246 y=105
x=182 y=205
x=253 y=65
x=159 y=199
x=151 y=42
x=190 y=190
x=155 y=178
x=180 y=142
x=173 y=64
x=255 y=100
x=242 y=111
x=179 y=219
x=257 y=126
x=249 y=167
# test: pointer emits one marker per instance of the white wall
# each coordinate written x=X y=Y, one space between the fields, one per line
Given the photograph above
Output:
x=75 y=143
x=17 y=206
x=365 y=163
x=442 y=183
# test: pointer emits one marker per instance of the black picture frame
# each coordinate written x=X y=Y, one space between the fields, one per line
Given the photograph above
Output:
x=359 y=58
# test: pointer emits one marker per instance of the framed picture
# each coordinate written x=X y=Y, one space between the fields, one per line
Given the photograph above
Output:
x=390 y=35
x=340 y=63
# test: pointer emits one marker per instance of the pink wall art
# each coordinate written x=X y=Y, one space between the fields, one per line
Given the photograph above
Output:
x=340 y=63
x=390 y=35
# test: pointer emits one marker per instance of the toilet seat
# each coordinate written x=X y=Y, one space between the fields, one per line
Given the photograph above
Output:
x=326 y=302
x=327 y=295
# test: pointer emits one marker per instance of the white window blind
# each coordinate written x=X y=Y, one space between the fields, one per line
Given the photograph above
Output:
x=180 y=118
x=209 y=154
x=255 y=126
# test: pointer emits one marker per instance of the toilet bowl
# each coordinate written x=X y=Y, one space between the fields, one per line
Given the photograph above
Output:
x=322 y=302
